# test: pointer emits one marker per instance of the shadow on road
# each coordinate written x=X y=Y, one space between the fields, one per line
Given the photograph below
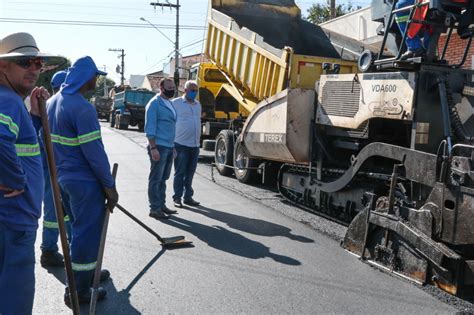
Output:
x=228 y=241
x=249 y=225
x=118 y=302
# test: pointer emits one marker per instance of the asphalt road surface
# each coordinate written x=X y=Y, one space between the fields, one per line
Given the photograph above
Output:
x=252 y=254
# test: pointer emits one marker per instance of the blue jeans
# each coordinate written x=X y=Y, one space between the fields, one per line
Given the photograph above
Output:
x=159 y=174
x=17 y=271
x=50 y=223
x=184 y=168
x=85 y=205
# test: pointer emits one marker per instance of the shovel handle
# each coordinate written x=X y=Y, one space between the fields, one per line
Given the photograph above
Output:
x=100 y=256
x=48 y=146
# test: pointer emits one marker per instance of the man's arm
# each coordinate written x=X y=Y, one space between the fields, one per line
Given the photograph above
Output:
x=90 y=142
x=12 y=176
x=151 y=116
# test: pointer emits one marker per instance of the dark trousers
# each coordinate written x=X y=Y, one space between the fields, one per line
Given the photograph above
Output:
x=184 y=167
x=50 y=223
x=85 y=205
x=17 y=271
x=159 y=173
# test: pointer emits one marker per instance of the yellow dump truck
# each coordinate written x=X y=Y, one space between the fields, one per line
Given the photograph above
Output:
x=271 y=59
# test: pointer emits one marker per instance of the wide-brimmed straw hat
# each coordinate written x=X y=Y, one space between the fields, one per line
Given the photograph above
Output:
x=24 y=45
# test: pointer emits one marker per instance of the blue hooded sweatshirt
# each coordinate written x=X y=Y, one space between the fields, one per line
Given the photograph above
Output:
x=20 y=164
x=58 y=79
x=75 y=129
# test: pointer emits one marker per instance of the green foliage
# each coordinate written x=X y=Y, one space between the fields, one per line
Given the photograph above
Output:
x=45 y=77
x=319 y=13
x=99 y=87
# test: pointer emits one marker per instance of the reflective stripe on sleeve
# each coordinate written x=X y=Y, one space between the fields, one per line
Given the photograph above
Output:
x=73 y=142
x=27 y=149
x=83 y=267
x=50 y=225
x=7 y=120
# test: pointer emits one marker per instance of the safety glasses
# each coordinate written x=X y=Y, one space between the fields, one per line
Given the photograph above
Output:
x=27 y=62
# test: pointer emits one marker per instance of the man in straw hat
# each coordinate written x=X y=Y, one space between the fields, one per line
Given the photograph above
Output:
x=83 y=171
x=21 y=175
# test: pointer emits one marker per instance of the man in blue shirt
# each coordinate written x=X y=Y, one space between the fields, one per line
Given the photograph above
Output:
x=21 y=172
x=186 y=143
x=83 y=171
x=160 y=121
x=50 y=257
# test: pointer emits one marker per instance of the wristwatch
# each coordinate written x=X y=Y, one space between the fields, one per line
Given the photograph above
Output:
x=152 y=148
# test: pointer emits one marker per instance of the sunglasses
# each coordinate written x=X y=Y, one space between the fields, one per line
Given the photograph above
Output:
x=27 y=62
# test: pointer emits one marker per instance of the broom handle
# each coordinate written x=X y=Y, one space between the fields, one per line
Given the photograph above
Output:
x=48 y=145
x=131 y=216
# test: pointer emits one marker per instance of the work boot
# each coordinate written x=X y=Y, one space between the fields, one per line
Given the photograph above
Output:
x=191 y=202
x=177 y=203
x=85 y=298
x=51 y=258
x=104 y=275
x=159 y=215
x=166 y=210
x=419 y=52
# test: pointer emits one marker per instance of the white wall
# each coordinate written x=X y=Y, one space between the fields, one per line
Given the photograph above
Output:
x=357 y=25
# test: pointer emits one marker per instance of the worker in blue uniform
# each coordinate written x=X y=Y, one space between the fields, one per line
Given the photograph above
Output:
x=83 y=171
x=50 y=257
x=416 y=44
x=21 y=171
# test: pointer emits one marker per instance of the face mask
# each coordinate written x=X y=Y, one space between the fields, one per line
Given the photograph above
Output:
x=168 y=93
x=191 y=95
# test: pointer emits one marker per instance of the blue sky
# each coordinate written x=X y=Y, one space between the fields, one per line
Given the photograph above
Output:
x=145 y=48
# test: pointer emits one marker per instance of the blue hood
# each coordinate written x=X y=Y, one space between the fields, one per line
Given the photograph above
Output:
x=58 y=79
x=79 y=74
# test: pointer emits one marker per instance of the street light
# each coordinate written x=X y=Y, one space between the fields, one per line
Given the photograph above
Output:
x=156 y=28
x=176 y=42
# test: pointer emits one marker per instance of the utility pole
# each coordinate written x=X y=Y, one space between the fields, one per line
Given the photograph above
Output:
x=105 y=83
x=122 y=68
x=176 y=43
x=333 y=9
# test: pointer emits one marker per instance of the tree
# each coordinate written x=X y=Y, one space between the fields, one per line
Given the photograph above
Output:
x=319 y=13
x=45 y=77
x=99 y=87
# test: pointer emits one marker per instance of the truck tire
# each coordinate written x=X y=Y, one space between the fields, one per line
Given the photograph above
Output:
x=209 y=145
x=112 y=120
x=243 y=165
x=120 y=122
x=224 y=151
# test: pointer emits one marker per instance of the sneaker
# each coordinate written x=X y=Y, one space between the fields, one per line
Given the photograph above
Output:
x=177 y=203
x=191 y=202
x=85 y=298
x=159 y=215
x=166 y=210
x=51 y=258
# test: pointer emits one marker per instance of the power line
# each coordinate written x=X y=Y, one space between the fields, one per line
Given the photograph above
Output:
x=94 y=6
x=97 y=23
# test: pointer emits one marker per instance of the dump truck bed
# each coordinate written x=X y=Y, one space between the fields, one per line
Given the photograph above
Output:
x=286 y=52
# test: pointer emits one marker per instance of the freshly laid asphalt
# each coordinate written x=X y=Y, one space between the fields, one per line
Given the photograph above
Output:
x=247 y=258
